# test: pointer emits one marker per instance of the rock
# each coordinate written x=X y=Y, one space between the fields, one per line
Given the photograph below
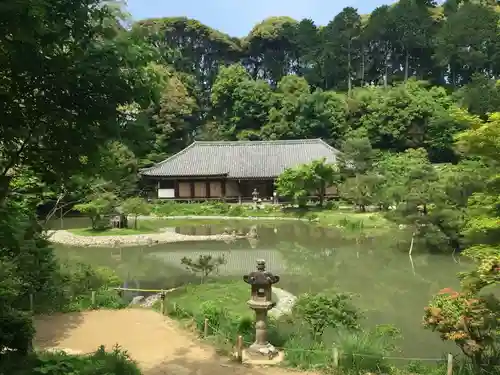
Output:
x=136 y=300
x=150 y=301
x=285 y=303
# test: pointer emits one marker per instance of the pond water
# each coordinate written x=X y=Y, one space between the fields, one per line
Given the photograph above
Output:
x=390 y=287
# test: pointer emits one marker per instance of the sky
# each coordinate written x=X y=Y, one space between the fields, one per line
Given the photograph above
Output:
x=237 y=17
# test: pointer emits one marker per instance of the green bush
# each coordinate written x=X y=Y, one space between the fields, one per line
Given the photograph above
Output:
x=332 y=205
x=100 y=362
x=215 y=208
x=78 y=282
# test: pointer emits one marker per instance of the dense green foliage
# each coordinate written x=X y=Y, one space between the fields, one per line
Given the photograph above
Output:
x=101 y=362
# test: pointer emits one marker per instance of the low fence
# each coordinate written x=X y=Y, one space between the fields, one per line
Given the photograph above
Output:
x=237 y=343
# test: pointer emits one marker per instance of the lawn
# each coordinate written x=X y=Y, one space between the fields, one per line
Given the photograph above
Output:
x=353 y=220
x=339 y=218
x=232 y=294
x=110 y=232
x=143 y=227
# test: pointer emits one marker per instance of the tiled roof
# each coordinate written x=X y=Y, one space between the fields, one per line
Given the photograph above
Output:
x=242 y=159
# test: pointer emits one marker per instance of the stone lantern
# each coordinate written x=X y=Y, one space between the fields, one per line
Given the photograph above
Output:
x=261 y=302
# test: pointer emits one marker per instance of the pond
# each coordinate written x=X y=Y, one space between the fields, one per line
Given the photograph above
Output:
x=390 y=287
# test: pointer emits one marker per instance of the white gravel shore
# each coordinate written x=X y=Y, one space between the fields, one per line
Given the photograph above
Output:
x=229 y=218
x=67 y=238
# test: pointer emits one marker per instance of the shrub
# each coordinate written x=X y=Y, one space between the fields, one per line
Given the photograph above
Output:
x=332 y=205
x=321 y=311
x=78 y=282
x=100 y=362
x=236 y=210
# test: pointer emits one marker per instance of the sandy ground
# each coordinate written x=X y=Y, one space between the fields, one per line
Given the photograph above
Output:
x=156 y=342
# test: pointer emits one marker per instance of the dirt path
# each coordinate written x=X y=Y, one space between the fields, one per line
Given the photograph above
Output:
x=157 y=343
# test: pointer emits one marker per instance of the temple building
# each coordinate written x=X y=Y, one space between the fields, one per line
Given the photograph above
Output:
x=231 y=170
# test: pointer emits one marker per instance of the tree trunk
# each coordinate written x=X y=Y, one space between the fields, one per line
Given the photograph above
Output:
x=4 y=188
x=363 y=66
x=407 y=59
x=135 y=222
x=349 y=78
x=386 y=63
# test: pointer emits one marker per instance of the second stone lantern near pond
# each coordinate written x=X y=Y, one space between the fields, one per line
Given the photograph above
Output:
x=261 y=302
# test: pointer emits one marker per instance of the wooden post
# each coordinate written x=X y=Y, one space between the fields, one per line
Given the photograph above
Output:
x=162 y=303
x=205 y=328
x=93 y=298
x=335 y=357
x=450 y=365
x=32 y=303
x=239 y=348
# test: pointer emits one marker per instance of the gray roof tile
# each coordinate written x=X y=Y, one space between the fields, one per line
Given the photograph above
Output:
x=242 y=159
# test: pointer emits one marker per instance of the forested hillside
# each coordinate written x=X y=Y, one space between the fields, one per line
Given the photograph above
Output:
x=408 y=75
x=294 y=79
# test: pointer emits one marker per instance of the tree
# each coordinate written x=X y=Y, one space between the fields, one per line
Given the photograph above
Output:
x=16 y=326
x=409 y=185
x=468 y=317
x=239 y=103
x=481 y=96
x=357 y=155
x=269 y=49
x=321 y=311
x=411 y=30
x=175 y=120
x=56 y=88
x=135 y=206
x=341 y=49
x=466 y=42
x=298 y=183
x=204 y=265
x=97 y=208
x=361 y=190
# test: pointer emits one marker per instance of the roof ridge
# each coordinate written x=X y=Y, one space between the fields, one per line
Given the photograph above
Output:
x=275 y=141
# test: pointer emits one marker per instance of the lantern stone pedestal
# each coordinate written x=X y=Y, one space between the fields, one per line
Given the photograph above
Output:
x=261 y=282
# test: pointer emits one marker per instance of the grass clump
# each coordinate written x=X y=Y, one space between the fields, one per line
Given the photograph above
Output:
x=143 y=227
x=116 y=362
x=77 y=281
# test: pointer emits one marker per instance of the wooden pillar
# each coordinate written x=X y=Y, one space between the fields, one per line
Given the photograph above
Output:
x=239 y=191
x=223 y=189
x=191 y=185
x=176 y=188
x=207 y=188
